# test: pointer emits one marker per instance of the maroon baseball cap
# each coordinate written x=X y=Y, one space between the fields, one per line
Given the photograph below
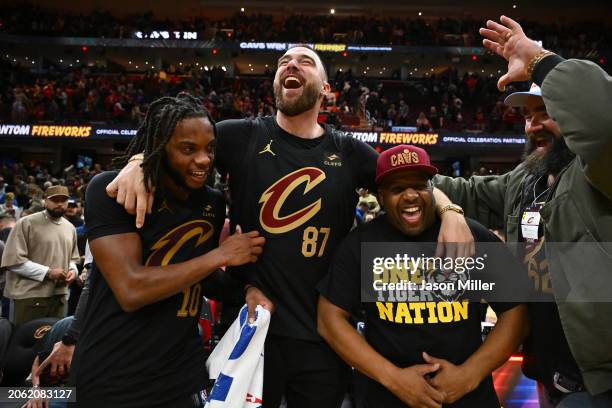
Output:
x=403 y=157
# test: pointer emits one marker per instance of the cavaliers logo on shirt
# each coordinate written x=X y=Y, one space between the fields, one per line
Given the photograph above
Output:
x=168 y=245
x=274 y=197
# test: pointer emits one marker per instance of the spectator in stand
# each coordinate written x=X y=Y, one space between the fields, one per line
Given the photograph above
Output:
x=496 y=116
x=28 y=19
x=435 y=118
x=471 y=82
x=479 y=120
x=73 y=213
x=9 y=207
x=404 y=111
x=360 y=212
x=445 y=115
x=40 y=256
x=33 y=209
x=7 y=222
x=369 y=199
x=460 y=125
x=391 y=115
x=91 y=94
x=2 y=189
x=19 y=112
x=422 y=123
x=512 y=118
x=20 y=187
x=34 y=190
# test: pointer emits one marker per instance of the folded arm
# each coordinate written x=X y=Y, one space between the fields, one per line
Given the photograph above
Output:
x=408 y=384
x=456 y=381
x=136 y=285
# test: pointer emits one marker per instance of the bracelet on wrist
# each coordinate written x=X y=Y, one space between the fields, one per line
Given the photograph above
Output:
x=536 y=60
x=451 y=207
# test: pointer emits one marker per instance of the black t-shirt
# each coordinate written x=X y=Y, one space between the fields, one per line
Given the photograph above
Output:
x=545 y=351
x=153 y=356
x=300 y=195
x=402 y=339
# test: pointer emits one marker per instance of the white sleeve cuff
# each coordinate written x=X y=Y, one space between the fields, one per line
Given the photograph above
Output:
x=31 y=270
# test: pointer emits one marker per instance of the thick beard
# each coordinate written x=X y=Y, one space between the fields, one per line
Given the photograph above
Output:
x=551 y=162
x=308 y=100
x=56 y=213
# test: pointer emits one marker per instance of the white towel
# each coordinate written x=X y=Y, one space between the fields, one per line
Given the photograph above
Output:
x=237 y=363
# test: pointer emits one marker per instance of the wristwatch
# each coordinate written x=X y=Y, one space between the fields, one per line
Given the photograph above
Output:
x=451 y=207
x=68 y=340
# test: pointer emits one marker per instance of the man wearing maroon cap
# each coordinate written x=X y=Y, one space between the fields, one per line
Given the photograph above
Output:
x=411 y=354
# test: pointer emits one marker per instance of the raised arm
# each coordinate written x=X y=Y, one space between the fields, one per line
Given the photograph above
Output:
x=576 y=93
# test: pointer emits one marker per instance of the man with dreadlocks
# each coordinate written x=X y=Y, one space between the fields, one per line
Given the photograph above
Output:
x=139 y=345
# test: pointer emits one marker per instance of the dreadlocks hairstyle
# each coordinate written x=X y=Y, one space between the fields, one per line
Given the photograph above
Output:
x=155 y=131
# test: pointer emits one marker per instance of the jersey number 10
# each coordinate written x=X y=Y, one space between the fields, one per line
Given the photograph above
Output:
x=191 y=301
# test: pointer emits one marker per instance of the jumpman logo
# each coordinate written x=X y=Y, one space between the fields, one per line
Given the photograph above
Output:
x=268 y=149
x=165 y=206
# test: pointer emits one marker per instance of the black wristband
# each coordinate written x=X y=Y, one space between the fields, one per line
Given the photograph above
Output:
x=544 y=67
x=68 y=340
